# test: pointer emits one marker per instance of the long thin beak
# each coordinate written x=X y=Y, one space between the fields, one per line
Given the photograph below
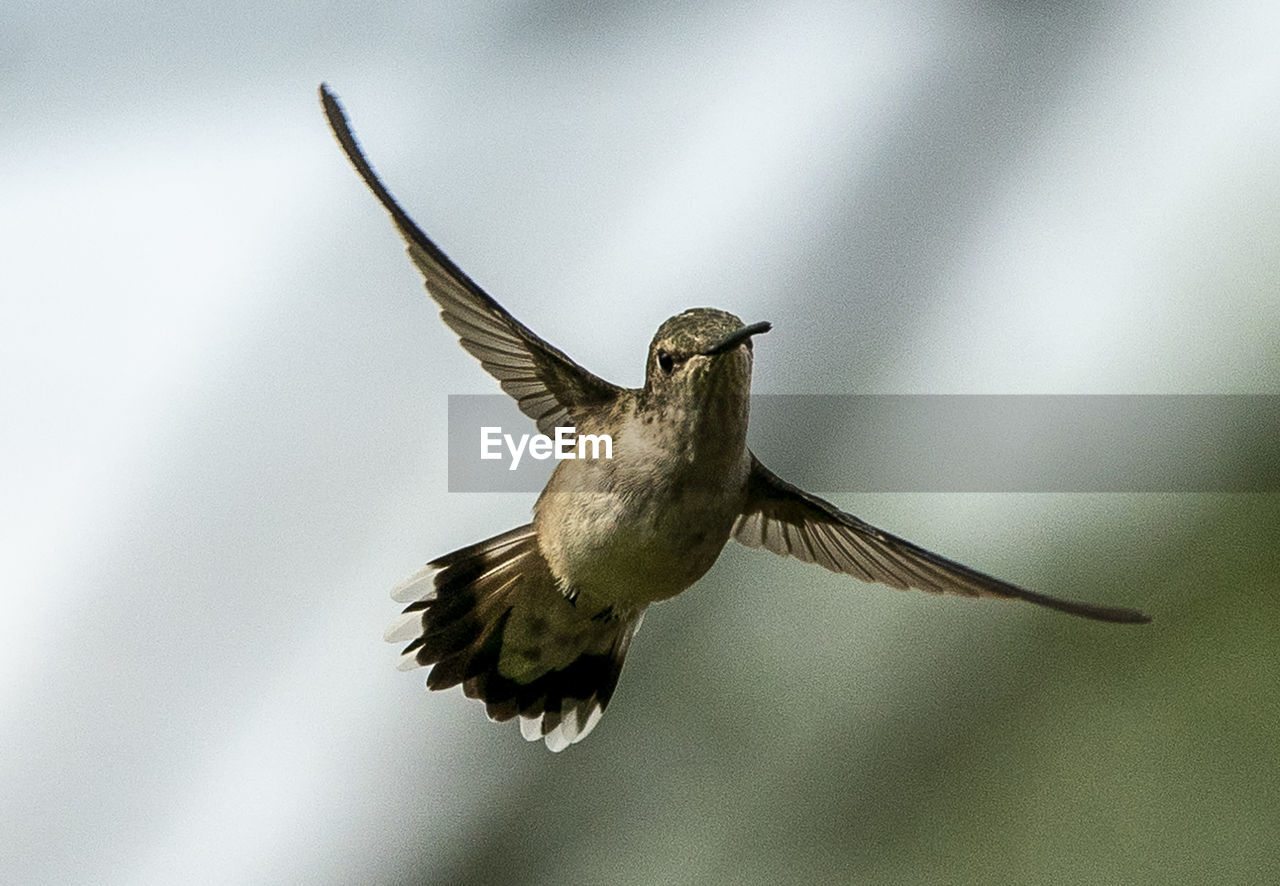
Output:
x=735 y=338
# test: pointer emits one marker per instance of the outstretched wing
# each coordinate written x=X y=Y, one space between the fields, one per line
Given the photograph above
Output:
x=791 y=522
x=549 y=386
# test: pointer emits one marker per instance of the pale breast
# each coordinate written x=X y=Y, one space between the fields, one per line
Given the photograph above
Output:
x=624 y=537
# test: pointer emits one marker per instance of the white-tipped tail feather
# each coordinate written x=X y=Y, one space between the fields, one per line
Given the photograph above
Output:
x=577 y=719
x=404 y=628
x=419 y=586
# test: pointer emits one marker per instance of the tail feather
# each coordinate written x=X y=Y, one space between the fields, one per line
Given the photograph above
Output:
x=491 y=618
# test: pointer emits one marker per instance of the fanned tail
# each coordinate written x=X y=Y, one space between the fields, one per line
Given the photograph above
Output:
x=491 y=617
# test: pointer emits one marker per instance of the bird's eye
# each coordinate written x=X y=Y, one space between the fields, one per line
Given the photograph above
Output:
x=666 y=362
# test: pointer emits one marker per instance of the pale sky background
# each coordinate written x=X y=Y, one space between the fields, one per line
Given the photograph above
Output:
x=224 y=390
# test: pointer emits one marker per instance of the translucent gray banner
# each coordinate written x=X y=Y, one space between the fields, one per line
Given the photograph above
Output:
x=944 y=443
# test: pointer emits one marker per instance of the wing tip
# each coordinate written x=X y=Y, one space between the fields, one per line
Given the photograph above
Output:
x=1111 y=614
x=1127 y=617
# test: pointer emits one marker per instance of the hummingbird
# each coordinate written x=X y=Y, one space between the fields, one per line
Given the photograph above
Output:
x=536 y=622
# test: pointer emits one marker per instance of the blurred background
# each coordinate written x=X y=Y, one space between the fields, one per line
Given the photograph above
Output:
x=224 y=391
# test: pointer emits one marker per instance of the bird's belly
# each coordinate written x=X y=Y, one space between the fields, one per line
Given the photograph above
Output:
x=629 y=547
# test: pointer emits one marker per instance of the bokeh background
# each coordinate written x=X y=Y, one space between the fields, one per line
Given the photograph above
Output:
x=223 y=394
